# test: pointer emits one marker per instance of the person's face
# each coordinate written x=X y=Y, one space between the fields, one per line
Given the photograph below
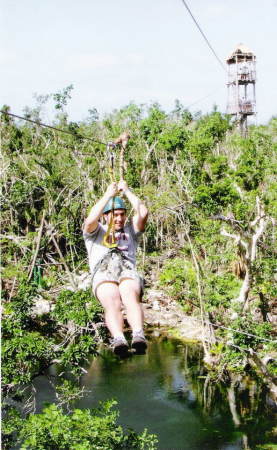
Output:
x=119 y=218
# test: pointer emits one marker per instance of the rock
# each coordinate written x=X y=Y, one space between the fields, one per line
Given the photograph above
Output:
x=162 y=311
x=40 y=307
x=82 y=281
x=156 y=306
x=156 y=333
x=234 y=316
x=154 y=293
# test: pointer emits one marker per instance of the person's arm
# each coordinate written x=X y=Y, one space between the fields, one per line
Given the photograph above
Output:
x=141 y=212
x=91 y=222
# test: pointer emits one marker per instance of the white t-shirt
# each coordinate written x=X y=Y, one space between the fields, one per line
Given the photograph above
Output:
x=127 y=244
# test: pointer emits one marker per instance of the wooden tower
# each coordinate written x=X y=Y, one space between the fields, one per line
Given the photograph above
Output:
x=241 y=85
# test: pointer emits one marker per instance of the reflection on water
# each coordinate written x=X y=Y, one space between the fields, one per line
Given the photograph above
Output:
x=168 y=391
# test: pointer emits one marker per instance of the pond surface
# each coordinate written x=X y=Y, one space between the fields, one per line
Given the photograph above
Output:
x=168 y=392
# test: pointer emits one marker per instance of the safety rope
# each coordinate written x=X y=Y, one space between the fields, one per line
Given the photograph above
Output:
x=109 y=240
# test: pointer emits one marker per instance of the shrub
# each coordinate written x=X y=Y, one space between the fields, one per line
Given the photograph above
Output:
x=220 y=289
x=246 y=324
x=81 y=430
x=80 y=307
x=77 y=352
x=25 y=356
x=178 y=275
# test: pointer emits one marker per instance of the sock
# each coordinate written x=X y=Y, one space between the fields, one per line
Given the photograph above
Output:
x=139 y=332
x=119 y=335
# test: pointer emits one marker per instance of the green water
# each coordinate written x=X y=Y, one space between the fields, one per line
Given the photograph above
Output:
x=167 y=391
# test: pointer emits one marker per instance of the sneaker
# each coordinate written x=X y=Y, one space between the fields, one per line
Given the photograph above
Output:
x=119 y=346
x=139 y=343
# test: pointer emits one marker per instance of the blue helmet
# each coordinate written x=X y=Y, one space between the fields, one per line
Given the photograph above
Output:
x=114 y=203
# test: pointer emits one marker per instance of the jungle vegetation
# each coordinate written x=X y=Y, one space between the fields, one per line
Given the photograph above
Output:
x=212 y=200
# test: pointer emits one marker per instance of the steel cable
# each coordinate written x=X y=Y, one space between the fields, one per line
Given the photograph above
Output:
x=206 y=39
x=237 y=331
x=79 y=136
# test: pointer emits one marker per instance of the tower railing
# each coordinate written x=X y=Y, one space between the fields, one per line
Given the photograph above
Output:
x=242 y=107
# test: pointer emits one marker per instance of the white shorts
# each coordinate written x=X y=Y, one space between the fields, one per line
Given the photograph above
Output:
x=115 y=269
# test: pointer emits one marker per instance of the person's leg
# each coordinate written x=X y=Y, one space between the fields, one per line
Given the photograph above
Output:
x=130 y=295
x=130 y=291
x=109 y=296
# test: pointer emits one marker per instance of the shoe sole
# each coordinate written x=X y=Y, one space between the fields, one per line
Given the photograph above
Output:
x=121 y=350
x=139 y=347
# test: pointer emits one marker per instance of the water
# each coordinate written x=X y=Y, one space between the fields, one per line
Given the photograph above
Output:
x=168 y=391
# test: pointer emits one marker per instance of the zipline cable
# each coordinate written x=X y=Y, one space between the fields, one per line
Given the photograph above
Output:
x=79 y=136
x=203 y=98
x=206 y=39
x=236 y=331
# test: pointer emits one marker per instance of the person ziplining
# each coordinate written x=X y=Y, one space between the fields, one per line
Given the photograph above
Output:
x=112 y=259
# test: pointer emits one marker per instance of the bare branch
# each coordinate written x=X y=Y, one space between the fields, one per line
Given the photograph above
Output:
x=37 y=246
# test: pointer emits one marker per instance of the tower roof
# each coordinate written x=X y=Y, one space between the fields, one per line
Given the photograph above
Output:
x=241 y=52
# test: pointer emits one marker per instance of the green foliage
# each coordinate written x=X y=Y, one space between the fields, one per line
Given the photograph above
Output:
x=61 y=98
x=233 y=360
x=77 y=351
x=218 y=166
x=178 y=275
x=264 y=271
x=251 y=165
x=215 y=197
x=247 y=325
x=11 y=424
x=214 y=125
x=28 y=349
x=209 y=131
x=67 y=393
x=179 y=112
x=272 y=368
x=173 y=137
x=25 y=350
x=220 y=289
x=25 y=356
x=83 y=429
x=14 y=143
x=80 y=307
x=153 y=125
x=18 y=312
x=269 y=446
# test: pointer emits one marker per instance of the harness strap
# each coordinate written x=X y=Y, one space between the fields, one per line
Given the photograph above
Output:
x=112 y=250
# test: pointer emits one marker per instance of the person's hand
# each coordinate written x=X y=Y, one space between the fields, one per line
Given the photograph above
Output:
x=123 y=139
x=112 y=189
x=122 y=186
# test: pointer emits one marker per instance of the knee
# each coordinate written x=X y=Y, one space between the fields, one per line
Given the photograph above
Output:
x=130 y=289
x=131 y=300
x=114 y=305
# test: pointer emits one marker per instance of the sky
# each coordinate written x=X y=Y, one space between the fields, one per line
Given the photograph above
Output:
x=119 y=51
